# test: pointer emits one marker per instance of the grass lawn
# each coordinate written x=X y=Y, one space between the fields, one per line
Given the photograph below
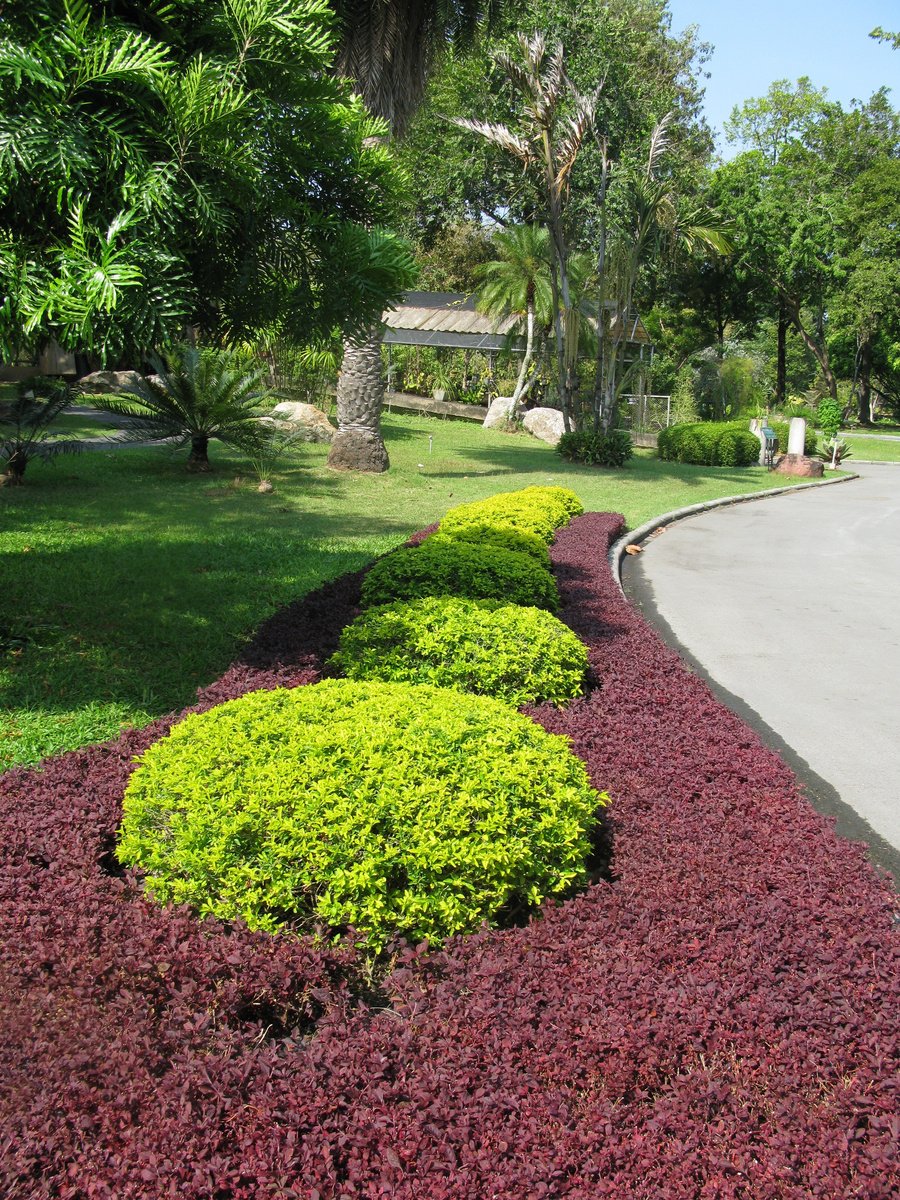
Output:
x=75 y=425
x=872 y=448
x=128 y=583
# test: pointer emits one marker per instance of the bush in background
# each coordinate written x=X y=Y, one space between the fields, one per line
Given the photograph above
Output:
x=710 y=444
x=385 y=807
x=515 y=654
x=597 y=449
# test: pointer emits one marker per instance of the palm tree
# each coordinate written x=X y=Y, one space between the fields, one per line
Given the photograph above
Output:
x=547 y=143
x=386 y=47
x=652 y=223
x=196 y=395
x=519 y=282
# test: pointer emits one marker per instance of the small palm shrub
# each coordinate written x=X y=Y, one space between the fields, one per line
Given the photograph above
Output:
x=197 y=395
x=388 y=807
x=444 y=567
x=27 y=427
x=507 y=537
x=709 y=443
x=482 y=646
x=597 y=449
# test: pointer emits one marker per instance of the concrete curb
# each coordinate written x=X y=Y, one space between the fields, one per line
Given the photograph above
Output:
x=635 y=536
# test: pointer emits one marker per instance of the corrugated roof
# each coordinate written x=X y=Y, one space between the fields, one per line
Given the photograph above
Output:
x=451 y=319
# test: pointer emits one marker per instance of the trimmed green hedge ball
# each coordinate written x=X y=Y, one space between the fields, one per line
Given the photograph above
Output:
x=536 y=510
x=444 y=567
x=388 y=807
x=481 y=646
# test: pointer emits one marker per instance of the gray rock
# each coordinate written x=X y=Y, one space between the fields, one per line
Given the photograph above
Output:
x=309 y=422
x=545 y=423
x=105 y=383
x=499 y=414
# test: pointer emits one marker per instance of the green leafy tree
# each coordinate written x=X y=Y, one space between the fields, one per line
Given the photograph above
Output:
x=170 y=165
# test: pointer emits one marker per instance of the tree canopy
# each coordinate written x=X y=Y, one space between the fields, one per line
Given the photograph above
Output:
x=165 y=166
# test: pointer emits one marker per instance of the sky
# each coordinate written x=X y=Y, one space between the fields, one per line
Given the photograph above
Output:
x=759 y=41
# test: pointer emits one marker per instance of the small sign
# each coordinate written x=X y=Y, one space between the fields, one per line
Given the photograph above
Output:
x=769 y=433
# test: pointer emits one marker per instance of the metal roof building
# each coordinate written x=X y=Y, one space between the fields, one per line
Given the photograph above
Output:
x=451 y=319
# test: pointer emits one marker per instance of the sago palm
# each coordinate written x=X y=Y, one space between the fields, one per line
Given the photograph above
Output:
x=197 y=395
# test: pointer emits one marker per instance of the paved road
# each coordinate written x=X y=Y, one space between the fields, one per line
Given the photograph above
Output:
x=791 y=608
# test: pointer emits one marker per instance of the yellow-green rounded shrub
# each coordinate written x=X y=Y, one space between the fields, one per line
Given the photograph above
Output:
x=507 y=537
x=389 y=807
x=482 y=646
x=535 y=510
x=443 y=567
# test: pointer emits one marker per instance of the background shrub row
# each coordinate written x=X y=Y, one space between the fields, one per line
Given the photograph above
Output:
x=709 y=443
x=721 y=1020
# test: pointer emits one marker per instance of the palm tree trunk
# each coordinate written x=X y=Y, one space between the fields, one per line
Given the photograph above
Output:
x=521 y=383
x=357 y=445
x=198 y=459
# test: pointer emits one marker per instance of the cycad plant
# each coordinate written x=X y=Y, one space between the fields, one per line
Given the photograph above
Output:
x=196 y=395
x=26 y=427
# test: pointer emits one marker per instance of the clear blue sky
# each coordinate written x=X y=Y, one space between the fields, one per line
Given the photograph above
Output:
x=759 y=41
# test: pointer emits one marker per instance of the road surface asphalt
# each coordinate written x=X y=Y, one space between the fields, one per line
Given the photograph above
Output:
x=790 y=608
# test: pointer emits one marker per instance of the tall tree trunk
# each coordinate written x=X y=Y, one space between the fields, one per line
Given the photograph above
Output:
x=864 y=392
x=522 y=384
x=358 y=445
x=818 y=351
x=781 y=367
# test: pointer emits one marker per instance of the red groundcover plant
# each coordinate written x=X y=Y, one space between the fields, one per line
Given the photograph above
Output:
x=721 y=1020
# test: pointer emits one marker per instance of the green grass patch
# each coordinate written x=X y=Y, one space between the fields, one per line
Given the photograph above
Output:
x=129 y=583
x=872 y=448
x=76 y=425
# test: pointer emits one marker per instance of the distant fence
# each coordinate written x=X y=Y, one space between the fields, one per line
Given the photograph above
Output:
x=645 y=413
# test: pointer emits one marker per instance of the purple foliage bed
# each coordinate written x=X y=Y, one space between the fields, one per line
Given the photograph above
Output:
x=721 y=1021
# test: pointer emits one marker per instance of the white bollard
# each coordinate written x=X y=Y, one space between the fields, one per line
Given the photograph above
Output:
x=797 y=436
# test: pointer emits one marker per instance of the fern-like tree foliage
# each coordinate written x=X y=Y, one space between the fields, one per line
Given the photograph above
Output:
x=196 y=395
x=164 y=166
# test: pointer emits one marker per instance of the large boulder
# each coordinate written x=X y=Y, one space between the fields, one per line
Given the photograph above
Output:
x=800 y=465
x=501 y=412
x=305 y=420
x=545 y=423
x=106 y=383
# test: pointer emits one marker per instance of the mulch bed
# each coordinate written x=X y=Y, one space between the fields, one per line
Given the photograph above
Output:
x=719 y=1020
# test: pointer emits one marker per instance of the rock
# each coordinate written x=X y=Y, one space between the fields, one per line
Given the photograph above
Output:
x=307 y=421
x=358 y=450
x=799 y=465
x=266 y=486
x=105 y=383
x=545 y=423
x=499 y=414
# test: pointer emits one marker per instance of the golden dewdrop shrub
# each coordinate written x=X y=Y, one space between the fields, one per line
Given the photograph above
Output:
x=445 y=567
x=535 y=510
x=513 y=653
x=389 y=807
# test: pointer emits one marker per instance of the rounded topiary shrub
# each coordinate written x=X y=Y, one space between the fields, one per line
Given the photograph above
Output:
x=709 y=443
x=487 y=533
x=536 y=510
x=441 y=566
x=481 y=646
x=388 y=807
